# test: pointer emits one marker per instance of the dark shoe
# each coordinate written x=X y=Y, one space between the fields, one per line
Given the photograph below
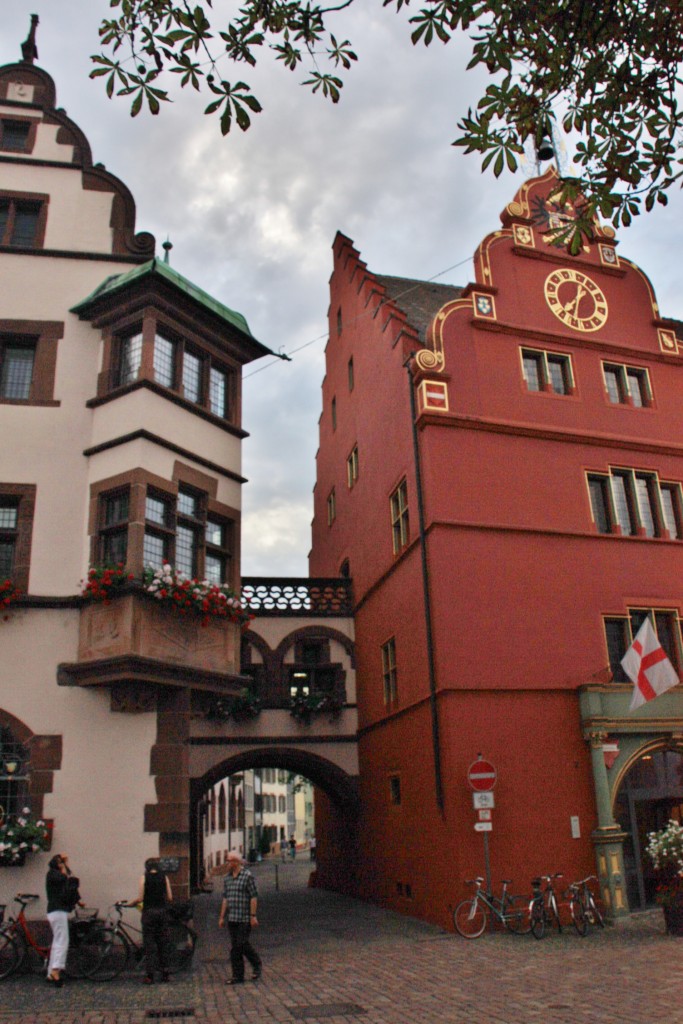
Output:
x=235 y=981
x=57 y=982
x=256 y=975
x=148 y=979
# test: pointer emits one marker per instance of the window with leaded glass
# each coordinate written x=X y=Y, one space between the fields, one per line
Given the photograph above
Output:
x=158 y=538
x=192 y=377
x=627 y=385
x=400 y=525
x=130 y=357
x=601 y=507
x=164 y=361
x=14 y=135
x=14 y=774
x=672 y=510
x=9 y=516
x=389 y=677
x=218 y=392
x=17 y=357
x=547 y=371
x=19 y=222
x=114 y=530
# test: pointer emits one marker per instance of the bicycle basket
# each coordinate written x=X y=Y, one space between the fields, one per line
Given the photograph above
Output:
x=86 y=913
x=183 y=910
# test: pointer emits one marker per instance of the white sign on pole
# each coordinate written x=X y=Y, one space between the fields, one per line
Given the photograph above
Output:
x=483 y=826
x=481 y=800
x=484 y=814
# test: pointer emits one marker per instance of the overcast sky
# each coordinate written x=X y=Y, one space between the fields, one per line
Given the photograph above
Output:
x=252 y=217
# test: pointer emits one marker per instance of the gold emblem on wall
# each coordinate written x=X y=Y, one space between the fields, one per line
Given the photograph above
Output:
x=576 y=300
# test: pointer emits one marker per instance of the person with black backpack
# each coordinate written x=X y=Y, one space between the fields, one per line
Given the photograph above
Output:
x=154 y=894
x=62 y=896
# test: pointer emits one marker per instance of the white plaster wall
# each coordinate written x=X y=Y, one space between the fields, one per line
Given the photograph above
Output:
x=104 y=782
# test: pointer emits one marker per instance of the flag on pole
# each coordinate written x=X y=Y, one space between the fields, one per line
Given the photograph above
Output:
x=648 y=666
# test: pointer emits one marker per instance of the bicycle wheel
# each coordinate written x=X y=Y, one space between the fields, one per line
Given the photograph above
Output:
x=469 y=918
x=114 y=953
x=553 y=912
x=87 y=948
x=593 y=914
x=516 y=917
x=9 y=954
x=579 y=918
x=181 y=943
x=537 y=919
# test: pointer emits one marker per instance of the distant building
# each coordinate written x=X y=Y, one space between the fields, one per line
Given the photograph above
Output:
x=541 y=406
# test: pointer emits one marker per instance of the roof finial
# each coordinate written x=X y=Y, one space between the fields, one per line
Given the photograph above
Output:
x=29 y=50
x=167 y=246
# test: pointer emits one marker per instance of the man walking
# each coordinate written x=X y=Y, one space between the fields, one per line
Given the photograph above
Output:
x=240 y=897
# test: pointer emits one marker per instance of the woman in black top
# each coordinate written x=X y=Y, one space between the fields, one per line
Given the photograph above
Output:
x=154 y=894
x=62 y=896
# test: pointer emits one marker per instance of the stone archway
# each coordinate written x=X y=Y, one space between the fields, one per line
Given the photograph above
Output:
x=340 y=789
x=647 y=794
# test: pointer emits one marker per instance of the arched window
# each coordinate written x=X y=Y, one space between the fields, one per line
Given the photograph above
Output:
x=221 y=808
x=14 y=774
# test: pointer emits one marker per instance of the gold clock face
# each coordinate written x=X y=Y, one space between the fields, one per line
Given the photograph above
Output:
x=576 y=300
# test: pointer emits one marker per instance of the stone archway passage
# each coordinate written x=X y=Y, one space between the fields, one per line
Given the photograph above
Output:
x=650 y=793
x=340 y=788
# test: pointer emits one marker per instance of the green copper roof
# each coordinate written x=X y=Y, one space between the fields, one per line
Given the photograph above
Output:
x=116 y=282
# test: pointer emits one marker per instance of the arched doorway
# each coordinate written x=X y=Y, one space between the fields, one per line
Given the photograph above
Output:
x=339 y=788
x=649 y=794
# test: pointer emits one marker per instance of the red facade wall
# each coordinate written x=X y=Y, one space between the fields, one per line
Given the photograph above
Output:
x=519 y=577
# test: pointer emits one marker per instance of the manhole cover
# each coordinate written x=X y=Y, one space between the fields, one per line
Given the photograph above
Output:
x=170 y=1011
x=326 y=1010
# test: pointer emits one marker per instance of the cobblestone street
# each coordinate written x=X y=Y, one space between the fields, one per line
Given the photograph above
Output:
x=331 y=959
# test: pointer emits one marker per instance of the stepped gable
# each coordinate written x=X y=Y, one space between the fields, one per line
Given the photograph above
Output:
x=26 y=89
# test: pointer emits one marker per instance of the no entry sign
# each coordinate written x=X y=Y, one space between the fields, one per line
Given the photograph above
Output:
x=481 y=775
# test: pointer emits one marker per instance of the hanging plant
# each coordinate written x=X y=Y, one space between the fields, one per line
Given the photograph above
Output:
x=8 y=594
x=20 y=835
x=305 y=705
x=241 y=707
x=193 y=596
x=103 y=581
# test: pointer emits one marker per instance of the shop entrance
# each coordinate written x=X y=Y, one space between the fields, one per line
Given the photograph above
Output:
x=649 y=795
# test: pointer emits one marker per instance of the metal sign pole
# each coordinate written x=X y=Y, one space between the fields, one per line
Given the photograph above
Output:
x=487 y=861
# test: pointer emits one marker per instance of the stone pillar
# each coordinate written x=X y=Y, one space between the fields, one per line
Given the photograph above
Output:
x=170 y=764
x=608 y=838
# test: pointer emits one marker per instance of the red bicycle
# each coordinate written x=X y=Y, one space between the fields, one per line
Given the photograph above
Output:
x=21 y=945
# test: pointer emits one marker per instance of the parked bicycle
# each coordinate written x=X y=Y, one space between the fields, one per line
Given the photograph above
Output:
x=590 y=907
x=576 y=908
x=21 y=945
x=543 y=909
x=122 y=948
x=471 y=916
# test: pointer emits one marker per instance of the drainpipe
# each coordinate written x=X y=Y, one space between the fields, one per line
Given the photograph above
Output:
x=436 y=747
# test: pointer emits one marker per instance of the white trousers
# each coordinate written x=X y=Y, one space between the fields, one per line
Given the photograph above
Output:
x=59 y=922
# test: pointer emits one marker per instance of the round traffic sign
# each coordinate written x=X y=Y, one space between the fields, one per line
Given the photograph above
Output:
x=481 y=775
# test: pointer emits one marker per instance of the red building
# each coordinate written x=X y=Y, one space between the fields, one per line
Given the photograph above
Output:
x=499 y=472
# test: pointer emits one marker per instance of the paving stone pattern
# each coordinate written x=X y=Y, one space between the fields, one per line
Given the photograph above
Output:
x=334 y=960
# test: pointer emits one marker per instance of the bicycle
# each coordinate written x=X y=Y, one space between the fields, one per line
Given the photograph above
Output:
x=121 y=943
x=20 y=945
x=470 y=917
x=543 y=907
x=590 y=908
x=576 y=908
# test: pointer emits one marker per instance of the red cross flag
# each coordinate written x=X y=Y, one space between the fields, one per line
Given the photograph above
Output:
x=648 y=666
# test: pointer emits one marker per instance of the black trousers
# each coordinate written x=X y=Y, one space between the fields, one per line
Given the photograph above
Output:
x=241 y=948
x=155 y=938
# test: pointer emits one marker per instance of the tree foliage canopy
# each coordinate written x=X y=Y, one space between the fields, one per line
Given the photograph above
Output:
x=604 y=73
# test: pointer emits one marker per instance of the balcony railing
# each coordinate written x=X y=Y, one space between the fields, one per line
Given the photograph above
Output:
x=284 y=596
